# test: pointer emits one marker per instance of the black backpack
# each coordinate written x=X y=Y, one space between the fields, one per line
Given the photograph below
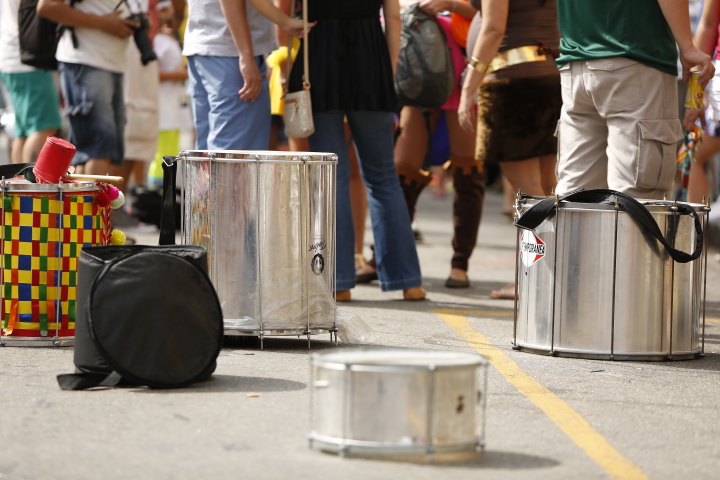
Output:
x=425 y=76
x=38 y=36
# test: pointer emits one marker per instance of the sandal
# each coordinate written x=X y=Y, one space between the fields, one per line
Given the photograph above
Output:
x=459 y=281
x=365 y=274
x=505 y=293
x=360 y=261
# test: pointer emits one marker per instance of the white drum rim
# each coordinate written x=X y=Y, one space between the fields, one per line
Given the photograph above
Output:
x=654 y=206
x=53 y=341
x=387 y=359
x=263 y=156
x=28 y=187
x=371 y=447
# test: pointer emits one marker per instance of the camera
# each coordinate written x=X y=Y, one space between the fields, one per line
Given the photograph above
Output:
x=142 y=40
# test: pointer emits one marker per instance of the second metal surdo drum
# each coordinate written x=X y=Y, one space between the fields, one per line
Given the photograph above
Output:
x=593 y=282
x=268 y=223
x=398 y=402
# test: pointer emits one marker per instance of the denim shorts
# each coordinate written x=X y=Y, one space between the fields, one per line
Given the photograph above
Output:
x=95 y=112
x=223 y=121
x=35 y=101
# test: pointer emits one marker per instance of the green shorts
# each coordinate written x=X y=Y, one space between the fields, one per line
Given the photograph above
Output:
x=35 y=100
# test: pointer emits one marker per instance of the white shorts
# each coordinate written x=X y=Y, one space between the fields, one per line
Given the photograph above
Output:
x=712 y=95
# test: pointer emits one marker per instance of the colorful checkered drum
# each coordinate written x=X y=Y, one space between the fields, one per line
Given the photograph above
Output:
x=43 y=228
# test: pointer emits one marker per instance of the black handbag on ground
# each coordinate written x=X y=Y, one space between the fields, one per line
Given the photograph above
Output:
x=146 y=316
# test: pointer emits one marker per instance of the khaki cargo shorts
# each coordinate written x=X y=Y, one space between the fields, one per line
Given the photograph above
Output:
x=618 y=128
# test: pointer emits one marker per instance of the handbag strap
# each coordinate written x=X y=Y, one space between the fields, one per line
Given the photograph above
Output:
x=544 y=208
x=306 y=58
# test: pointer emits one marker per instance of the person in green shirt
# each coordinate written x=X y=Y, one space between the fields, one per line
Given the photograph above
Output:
x=619 y=125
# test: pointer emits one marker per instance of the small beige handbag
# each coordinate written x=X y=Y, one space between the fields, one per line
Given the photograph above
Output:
x=298 y=106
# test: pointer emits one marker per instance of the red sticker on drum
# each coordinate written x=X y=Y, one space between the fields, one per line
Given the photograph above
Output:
x=532 y=248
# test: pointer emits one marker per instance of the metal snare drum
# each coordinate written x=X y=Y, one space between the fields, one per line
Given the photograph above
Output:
x=43 y=228
x=267 y=220
x=603 y=288
x=397 y=402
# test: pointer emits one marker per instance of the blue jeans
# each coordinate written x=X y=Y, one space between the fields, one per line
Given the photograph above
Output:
x=222 y=120
x=397 y=261
x=95 y=111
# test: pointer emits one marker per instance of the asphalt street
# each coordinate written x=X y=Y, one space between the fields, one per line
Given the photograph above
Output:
x=547 y=417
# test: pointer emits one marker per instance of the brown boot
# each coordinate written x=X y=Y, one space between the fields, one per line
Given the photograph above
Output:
x=413 y=182
x=469 y=184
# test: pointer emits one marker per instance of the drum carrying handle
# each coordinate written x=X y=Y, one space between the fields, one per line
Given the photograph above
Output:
x=544 y=209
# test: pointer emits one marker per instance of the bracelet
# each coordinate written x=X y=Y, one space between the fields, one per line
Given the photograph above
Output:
x=478 y=66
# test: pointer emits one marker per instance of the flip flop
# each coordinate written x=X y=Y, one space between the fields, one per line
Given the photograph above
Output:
x=505 y=293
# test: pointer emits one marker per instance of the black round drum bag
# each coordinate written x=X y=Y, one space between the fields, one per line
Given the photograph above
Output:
x=146 y=316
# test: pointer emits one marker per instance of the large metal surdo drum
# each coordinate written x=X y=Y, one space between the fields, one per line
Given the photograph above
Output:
x=398 y=402
x=267 y=220
x=43 y=227
x=593 y=281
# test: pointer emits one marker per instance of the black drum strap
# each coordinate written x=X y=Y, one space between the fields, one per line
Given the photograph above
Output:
x=85 y=380
x=167 y=212
x=12 y=170
x=544 y=209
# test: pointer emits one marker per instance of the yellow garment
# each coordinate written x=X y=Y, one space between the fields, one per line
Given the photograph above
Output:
x=276 y=61
x=168 y=144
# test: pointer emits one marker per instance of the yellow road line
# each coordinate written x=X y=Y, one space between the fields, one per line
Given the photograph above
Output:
x=569 y=421
x=478 y=313
x=506 y=313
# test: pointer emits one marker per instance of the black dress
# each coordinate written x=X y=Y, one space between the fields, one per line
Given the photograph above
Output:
x=350 y=67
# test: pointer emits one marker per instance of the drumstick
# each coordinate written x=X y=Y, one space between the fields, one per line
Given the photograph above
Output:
x=96 y=178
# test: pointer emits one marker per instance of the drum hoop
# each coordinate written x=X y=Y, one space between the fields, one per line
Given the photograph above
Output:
x=73 y=188
x=388 y=361
x=653 y=206
x=249 y=156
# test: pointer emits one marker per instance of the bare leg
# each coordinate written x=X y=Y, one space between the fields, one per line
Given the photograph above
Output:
x=548 y=176
x=298 y=144
x=358 y=200
x=698 y=185
x=124 y=171
x=97 y=166
x=138 y=175
x=16 y=149
x=534 y=176
x=35 y=143
x=508 y=196
x=524 y=175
